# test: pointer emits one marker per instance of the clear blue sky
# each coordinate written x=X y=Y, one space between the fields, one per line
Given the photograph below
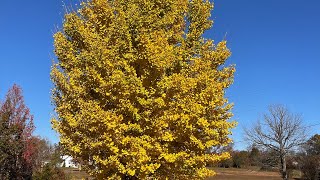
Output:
x=275 y=46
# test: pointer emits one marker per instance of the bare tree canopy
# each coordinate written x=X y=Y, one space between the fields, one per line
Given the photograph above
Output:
x=280 y=130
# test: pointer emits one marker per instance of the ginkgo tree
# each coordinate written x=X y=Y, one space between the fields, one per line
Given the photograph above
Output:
x=139 y=92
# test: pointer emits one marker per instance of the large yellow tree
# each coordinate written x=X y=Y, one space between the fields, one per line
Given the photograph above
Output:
x=139 y=92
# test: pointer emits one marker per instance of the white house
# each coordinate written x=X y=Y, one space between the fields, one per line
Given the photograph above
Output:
x=68 y=162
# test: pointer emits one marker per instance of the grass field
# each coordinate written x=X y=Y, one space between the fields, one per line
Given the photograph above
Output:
x=243 y=174
x=75 y=174
x=222 y=174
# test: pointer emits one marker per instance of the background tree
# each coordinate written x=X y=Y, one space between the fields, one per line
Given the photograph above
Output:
x=254 y=156
x=309 y=160
x=139 y=93
x=49 y=157
x=312 y=146
x=240 y=159
x=43 y=151
x=16 y=127
x=226 y=163
x=269 y=159
x=280 y=131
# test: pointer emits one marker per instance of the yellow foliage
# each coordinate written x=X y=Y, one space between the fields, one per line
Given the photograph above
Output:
x=139 y=93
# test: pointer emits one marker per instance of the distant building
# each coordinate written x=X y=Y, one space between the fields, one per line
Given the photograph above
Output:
x=68 y=162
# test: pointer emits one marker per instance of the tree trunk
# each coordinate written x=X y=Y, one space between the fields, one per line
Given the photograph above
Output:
x=283 y=166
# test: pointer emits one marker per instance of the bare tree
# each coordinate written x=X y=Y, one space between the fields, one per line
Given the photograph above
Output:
x=280 y=131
